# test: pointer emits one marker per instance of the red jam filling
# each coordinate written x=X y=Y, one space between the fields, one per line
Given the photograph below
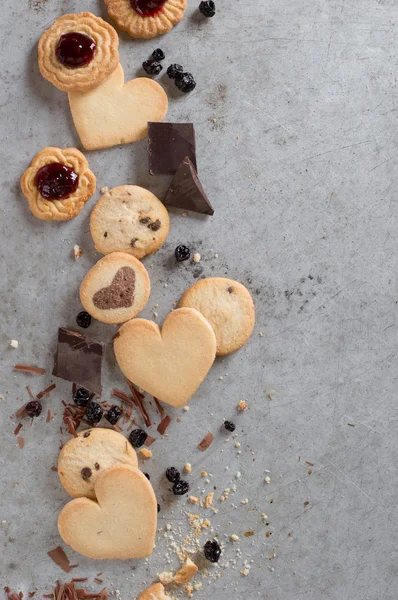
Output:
x=147 y=8
x=56 y=182
x=75 y=49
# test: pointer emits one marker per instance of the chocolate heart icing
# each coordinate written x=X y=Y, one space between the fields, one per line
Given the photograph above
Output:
x=120 y=294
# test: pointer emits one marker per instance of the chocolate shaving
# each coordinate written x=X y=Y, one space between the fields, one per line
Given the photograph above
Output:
x=98 y=580
x=100 y=573
x=117 y=428
x=31 y=594
x=206 y=442
x=159 y=407
x=163 y=425
x=149 y=441
x=21 y=412
x=60 y=558
x=18 y=428
x=54 y=468
x=30 y=393
x=46 y=391
x=122 y=396
x=80 y=579
x=48 y=419
x=138 y=401
x=21 y=442
x=29 y=369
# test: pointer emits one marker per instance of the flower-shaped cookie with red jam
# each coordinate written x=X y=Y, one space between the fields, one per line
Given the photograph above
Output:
x=146 y=18
x=78 y=52
x=57 y=184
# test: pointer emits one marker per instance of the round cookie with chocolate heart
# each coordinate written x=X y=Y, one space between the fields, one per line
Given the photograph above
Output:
x=228 y=307
x=129 y=219
x=86 y=456
x=116 y=289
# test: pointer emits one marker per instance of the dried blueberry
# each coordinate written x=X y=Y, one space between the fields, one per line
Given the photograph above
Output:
x=94 y=413
x=180 y=487
x=182 y=253
x=186 y=83
x=33 y=408
x=83 y=319
x=174 y=71
x=172 y=474
x=212 y=551
x=229 y=426
x=207 y=8
x=137 y=437
x=152 y=67
x=113 y=414
x=81 y=397
x=158 y=54
x=86 y=473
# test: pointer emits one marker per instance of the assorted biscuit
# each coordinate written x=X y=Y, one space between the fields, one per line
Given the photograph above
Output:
x=113 y=513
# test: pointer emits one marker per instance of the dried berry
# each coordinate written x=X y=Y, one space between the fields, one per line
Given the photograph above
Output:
x=207 y=8
x=172 y=474
x=174 y=71
x=94 y=413
x=182 y=253
x=81 y=397
x=113 y=414
x=137 y=437
x=158 y=54
x=180 y=487
x=86 y=473
x=186 y=83
x=229 y=426
x=83 y=319
x=152 y=67
x=33 y=408
x=212 y=551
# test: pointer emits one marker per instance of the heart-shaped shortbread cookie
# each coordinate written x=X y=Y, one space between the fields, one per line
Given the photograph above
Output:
x=116 y=112
x=169 y=364
x=122 y=524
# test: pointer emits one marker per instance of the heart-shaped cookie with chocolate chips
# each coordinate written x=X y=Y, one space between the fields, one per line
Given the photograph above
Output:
x=116 y=112
x=116 y=289
x=121 y=524
x=170 y=363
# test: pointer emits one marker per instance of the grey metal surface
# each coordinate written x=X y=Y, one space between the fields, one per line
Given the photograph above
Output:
x=295 y=115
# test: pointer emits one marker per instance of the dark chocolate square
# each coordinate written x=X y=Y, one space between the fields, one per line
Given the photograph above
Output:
x=79 y=359
x=168 y=145
x=186 y=191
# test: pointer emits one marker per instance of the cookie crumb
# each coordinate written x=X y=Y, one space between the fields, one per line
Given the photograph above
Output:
x=245 y=501
x=14 y=343
x=209 y=500
x=186 y=408
x=166 y=577
x=196 y=257
x=237 y=444
x=203 y=474
x=193 y=499
x=77 y=251
x=261 y=334
x=145 y=453
x=234 y=537
x=245 y=571
x=189 y=590
x=216 y=255
x=186 y=573
x=104 y=190
x=187 y=468
x=267 y=479
x=242 y=405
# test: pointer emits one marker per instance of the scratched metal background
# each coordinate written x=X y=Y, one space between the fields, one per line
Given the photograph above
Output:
x=295 y=114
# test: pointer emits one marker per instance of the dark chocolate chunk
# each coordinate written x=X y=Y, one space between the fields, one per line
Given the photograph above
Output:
x=78 y=359
x=168 y=144
x=86 y=473
x=186 y=191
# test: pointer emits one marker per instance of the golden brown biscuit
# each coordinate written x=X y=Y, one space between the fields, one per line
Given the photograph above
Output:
x=116 y=288
x=121 y=524
x=146 y=18
x=86 y=456
x=229 y=308
x=117 y=112
x=83 y=67
x=154 y=592
x=58 y=183
x=171 y=363
x=129 y=219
